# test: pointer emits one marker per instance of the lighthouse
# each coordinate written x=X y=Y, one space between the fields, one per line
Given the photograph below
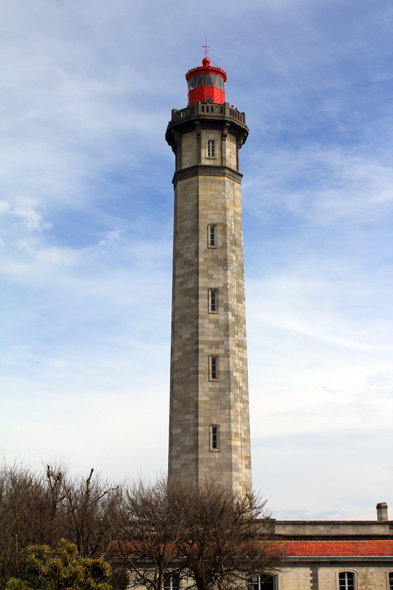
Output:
x=209 y=432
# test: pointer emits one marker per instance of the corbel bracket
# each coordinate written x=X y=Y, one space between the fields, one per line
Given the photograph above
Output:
x=224 y=134
x=176 y=147
x=241 y=139
x=224 y=130
x=199 y=143
x=198 y=129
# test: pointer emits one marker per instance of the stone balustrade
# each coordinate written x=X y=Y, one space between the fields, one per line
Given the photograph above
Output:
x=208 y=110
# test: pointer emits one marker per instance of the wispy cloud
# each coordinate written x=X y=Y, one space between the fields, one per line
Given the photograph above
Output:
x=86 y=213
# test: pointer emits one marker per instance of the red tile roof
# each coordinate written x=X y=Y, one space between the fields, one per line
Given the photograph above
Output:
x=332 y=548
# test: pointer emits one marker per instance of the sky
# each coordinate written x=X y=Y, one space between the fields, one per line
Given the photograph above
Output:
x=86 y=204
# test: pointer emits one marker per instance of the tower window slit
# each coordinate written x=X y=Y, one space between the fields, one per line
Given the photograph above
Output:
x=212 y=236
x=214 y=367
x=213 y=303
x=214 y=438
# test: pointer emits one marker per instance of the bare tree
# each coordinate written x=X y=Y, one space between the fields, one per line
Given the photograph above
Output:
x=150 y=529
x=90 y=506
x=204 y=533
x=227 y=538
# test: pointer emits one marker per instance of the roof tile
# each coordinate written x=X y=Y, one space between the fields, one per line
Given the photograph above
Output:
x=333 y=548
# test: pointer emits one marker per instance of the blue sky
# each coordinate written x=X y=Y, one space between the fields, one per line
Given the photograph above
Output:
x=86 y=207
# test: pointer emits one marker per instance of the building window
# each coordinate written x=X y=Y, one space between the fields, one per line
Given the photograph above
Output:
x=214 y=437
x=263 y=582
x=213 y=369
x=213 y=301
x=211 y=148
x=212 y=236
x=171 y=581
x=390 y=580
x=346 y=581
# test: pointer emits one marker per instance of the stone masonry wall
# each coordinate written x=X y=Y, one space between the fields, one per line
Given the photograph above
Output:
x=197 y=401
x=366 y=578
x=325 y=577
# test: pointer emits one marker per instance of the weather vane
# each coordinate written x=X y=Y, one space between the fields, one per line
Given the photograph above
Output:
x=205 y=48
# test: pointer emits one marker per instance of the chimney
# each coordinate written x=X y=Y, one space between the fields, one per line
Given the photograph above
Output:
x=382 y=512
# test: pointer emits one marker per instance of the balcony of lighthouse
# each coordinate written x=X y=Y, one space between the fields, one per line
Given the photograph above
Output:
x=208 y=110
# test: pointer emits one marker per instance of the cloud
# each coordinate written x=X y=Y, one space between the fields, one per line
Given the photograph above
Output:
x=321 y=186
x=86 y=213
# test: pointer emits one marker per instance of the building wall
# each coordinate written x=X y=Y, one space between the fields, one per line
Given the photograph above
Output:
x=326 y=577
x=215 y=135
x=183 y=426
x=198 y=402
x=366 y=578
x=333 y=528
x=333 y=547
x=231 y=152
x=294 y=579
x=189 y=150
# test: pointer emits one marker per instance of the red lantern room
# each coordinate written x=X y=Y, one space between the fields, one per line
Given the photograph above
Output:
x=206 y=83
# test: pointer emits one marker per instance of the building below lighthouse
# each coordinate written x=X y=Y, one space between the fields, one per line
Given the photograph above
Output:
x=209 y=411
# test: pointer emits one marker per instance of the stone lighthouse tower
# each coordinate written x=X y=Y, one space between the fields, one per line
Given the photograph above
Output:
x=209 y=432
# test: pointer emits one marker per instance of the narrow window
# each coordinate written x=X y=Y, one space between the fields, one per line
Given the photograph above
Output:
x=214 y=438
x=213 y=301
x=212 y=236
x=214 y=368
x=390 y=580
x=211 y=148
x=171 y=581
x=346 y=580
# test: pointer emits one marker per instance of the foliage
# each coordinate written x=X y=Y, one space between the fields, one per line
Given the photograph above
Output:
x=42 y=508
x=47 y=569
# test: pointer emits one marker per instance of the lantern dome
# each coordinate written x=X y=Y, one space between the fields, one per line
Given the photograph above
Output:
x=206 y=83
